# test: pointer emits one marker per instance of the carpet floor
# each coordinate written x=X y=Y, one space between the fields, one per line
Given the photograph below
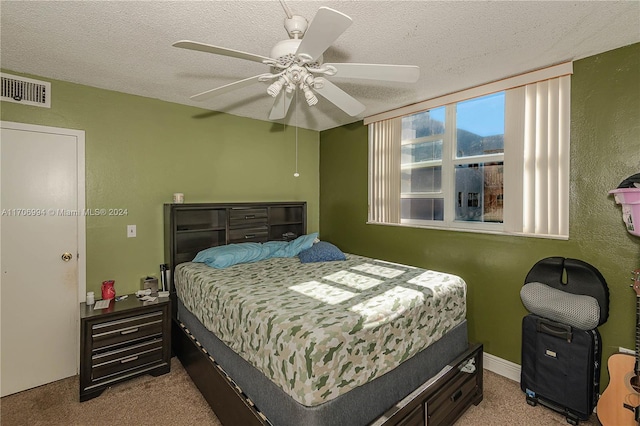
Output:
x=173 y=399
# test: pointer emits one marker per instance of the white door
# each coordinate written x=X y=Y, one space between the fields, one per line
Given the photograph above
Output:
x=42 y=197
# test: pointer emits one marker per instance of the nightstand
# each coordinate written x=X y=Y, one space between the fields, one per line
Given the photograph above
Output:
x=125 y=340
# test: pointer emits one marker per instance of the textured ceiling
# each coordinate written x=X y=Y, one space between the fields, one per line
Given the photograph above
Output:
x=126 y=46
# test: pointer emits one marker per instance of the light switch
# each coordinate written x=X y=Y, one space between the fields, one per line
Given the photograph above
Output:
x=131 y=231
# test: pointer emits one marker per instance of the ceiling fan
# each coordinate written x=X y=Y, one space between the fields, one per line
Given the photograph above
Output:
x=296 y=64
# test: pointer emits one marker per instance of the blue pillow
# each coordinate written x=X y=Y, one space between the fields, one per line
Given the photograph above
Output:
x=321 y=252
x=225 y=256
x=292 y=248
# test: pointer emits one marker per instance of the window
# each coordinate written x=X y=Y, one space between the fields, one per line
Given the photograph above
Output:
x=493 y=162
x=421 y=166
x=474 y=147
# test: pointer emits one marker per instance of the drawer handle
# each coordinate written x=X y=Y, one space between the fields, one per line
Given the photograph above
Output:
x=129 y=331
x=248 y=236
x=131 y=358
x=456 y=395
x=250 y=216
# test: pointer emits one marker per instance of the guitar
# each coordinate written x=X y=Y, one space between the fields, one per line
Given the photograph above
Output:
x=619 y=405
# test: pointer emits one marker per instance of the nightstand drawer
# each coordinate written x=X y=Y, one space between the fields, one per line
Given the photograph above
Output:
x=126 y=329
x=116 y=361
x=125 y=351
x=245 y=235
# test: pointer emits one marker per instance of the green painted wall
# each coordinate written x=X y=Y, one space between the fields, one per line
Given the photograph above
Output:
x=139 y=151
x=605 y=149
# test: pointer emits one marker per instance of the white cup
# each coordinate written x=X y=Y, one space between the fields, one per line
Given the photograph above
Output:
x=90 y=298
x=178 y=198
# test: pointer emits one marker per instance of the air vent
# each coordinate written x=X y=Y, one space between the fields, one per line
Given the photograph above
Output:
x=25 y=91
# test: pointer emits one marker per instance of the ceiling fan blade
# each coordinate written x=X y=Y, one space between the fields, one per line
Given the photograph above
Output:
x=339 y=97
x=227 y=88
x=194 y=45
x=281 y=106
x=324 y=29
x=382 y=72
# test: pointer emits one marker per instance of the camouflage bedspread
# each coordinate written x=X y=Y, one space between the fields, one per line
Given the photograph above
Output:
x=320 y=329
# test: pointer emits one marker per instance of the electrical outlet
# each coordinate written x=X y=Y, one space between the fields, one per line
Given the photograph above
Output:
x=626 y=351
x=131 y=231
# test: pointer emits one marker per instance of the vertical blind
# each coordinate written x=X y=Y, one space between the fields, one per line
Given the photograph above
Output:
x=384 y=170
x=538 y=189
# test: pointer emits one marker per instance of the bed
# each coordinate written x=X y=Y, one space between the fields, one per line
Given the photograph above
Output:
x=357 y=341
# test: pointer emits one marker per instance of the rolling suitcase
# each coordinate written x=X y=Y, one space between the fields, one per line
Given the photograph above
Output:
x=560 y=367
x=561 y=346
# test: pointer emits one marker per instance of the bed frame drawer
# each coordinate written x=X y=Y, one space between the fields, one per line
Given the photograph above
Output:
x=442 y=399
x=415 y=418
x=451 y=398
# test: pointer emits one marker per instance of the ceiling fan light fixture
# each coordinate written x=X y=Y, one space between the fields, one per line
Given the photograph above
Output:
x=309 y=95
x=276 y=87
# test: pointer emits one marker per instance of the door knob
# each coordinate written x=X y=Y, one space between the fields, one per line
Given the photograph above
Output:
x=67 y=256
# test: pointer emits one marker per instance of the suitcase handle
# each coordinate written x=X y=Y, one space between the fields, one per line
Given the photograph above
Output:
x=555 y=329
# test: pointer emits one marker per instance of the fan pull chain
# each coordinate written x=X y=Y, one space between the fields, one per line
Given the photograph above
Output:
x=284 y=126
x=296 y=174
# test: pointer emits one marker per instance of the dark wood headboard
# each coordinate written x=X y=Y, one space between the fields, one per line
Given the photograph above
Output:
x=190 y=228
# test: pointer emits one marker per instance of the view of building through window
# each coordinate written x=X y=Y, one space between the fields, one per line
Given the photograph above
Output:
x=474 y=165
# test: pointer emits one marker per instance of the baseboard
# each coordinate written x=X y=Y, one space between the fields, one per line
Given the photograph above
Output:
x=500 y=366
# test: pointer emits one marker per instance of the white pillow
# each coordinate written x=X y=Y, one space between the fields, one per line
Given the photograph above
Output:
x=576 y=310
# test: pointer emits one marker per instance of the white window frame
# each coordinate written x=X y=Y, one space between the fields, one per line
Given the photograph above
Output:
x=448 y=193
